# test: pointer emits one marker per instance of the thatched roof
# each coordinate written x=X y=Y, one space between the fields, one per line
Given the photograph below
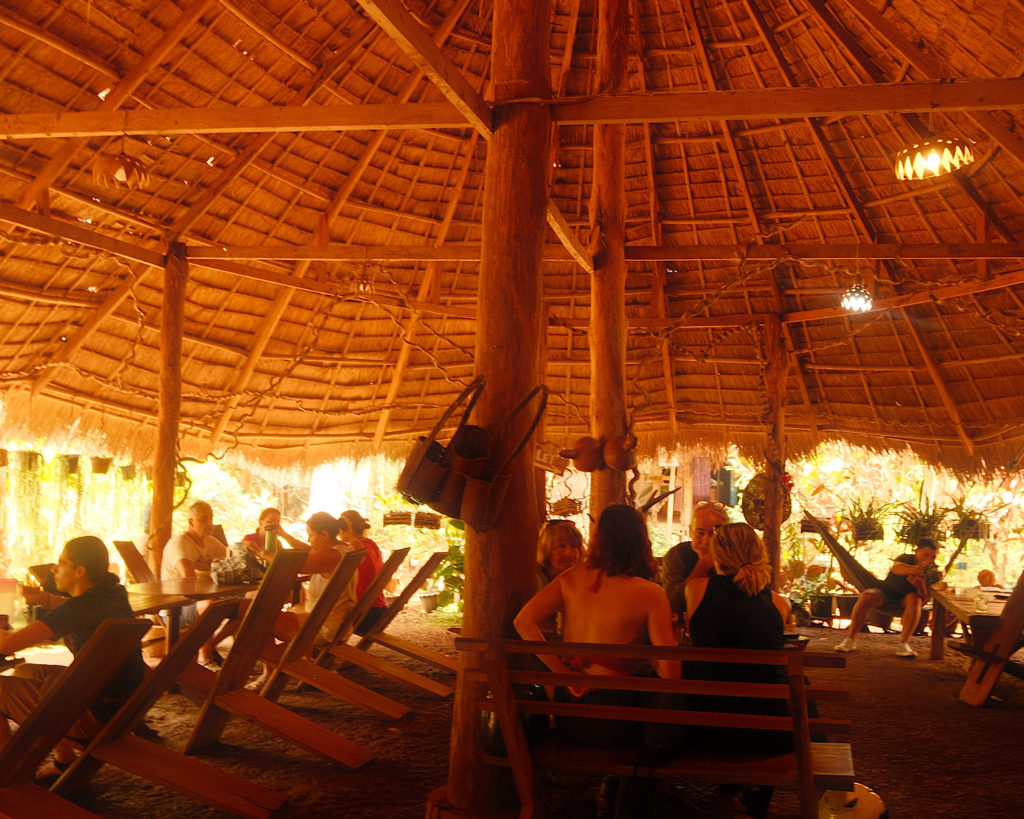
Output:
x=322 y=162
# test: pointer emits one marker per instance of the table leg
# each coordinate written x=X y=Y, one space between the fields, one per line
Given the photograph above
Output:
x=173 y=626
x=938 y=630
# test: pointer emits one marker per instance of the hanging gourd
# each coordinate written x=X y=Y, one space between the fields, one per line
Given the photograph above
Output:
x=587 y=454
x=752 y=504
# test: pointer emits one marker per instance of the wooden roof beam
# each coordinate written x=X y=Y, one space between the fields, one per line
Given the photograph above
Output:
x=931 y=67
x=866 y=251
x=686 y=106
x=118 y=94
x=419 y=47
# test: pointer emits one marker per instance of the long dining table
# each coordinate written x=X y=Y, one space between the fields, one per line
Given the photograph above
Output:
x=173 y=595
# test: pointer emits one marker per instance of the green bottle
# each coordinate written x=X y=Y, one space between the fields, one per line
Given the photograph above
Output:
x=271 y=547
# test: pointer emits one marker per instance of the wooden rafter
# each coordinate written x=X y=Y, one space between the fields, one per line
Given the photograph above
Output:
x=424 y=53
x=686 y=106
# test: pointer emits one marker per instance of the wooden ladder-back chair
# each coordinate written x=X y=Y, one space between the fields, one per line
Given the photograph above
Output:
x=358 y=654
x=224 y=693
x=116 y=745
x=378 y=634
x=134 y=562
x=64 y=702
x=292 y=661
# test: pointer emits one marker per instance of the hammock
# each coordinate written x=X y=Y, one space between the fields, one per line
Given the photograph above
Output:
x=861 y=578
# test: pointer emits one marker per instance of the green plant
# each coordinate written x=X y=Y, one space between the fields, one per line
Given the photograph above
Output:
x=923 y=520
x=449 y=578
x=864 y=518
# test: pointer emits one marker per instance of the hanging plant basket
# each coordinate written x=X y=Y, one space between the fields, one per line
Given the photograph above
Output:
x=128 y=472
x=101 y=466
x=398 y=518
x=806 y=527
x=29 y=461
x=565 y=507
x=752 y=504
x=427 y=520
x=869 y=529
x=971 y=529
x=69 y=464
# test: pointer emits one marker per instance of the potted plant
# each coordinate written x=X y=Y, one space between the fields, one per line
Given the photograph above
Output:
x=921 y=521
x=864 y=519
x=968 y=523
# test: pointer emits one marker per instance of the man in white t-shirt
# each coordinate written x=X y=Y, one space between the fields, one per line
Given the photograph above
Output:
x=190 y=551
x=195 y=548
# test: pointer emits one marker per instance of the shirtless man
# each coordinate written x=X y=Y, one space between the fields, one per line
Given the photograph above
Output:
x=906 y=584
x=611 y=598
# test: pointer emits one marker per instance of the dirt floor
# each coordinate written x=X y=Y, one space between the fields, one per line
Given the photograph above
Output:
x=924 y=752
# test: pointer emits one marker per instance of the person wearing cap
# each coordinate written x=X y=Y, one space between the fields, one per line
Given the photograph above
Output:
x=94 y=595
x=368 y=569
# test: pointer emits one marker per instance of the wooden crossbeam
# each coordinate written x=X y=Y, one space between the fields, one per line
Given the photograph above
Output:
x=687 y=106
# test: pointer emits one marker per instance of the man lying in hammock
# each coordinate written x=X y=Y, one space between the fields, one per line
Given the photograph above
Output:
x=907 y=584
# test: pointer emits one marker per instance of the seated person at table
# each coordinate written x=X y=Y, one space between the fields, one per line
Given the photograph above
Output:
x=609 y=598
x=269 y=521
x=736 y=608
x=987 y=581
x=691 y=557
x=194 y=549
x=188 y=553
x=95 y=595
x=325 y=551
x=907 y=584
x=559 y=547
x=368 y=569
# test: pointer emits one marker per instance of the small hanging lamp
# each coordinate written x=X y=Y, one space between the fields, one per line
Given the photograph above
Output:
x=933 y=157
x=120 y=170
x=857 y=299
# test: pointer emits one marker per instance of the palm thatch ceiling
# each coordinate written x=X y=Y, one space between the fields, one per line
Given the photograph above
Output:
x=321 y=162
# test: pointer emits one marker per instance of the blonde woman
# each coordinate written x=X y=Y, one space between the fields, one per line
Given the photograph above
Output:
x=559 y=547
x=736 y=608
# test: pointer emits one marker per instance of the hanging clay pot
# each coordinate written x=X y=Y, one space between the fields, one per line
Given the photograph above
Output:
x=620 y=452
x=586 y=454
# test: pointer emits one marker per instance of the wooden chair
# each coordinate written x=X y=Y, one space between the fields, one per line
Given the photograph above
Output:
x=292 y=661
x=224 y=693
x=115 y=744
x=358 y=654
x=992 y=657
x=134 y=563
x=66 y=700
x=378 y=635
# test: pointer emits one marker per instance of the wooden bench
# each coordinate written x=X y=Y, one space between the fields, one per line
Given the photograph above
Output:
x=496 y=678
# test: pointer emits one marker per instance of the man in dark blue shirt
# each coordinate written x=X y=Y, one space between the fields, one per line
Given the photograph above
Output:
x=94 y=595
x=906 y=585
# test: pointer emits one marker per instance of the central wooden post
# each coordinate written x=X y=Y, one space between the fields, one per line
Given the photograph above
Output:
x=608 y=282
x=775 y=374
x=500 y=563
x=165 y=458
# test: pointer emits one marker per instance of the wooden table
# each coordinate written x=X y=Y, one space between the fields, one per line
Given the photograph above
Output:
x=977 y=618
x=177 y=594
x=155 y=602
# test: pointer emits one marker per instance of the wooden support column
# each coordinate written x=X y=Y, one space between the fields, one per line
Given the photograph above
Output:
x=500 y=563
x=165 y=458
x=608 y=281
x=776 y=370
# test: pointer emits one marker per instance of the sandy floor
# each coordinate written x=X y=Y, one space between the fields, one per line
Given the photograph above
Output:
x=924 y=752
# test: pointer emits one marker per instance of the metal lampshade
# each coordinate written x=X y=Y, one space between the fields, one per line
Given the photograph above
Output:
x=933 y=157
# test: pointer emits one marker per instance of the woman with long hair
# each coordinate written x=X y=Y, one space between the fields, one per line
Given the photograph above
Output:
x=610 y=598
x=736 y=608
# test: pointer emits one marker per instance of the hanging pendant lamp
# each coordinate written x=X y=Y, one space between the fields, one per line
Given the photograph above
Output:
x=933 y=157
